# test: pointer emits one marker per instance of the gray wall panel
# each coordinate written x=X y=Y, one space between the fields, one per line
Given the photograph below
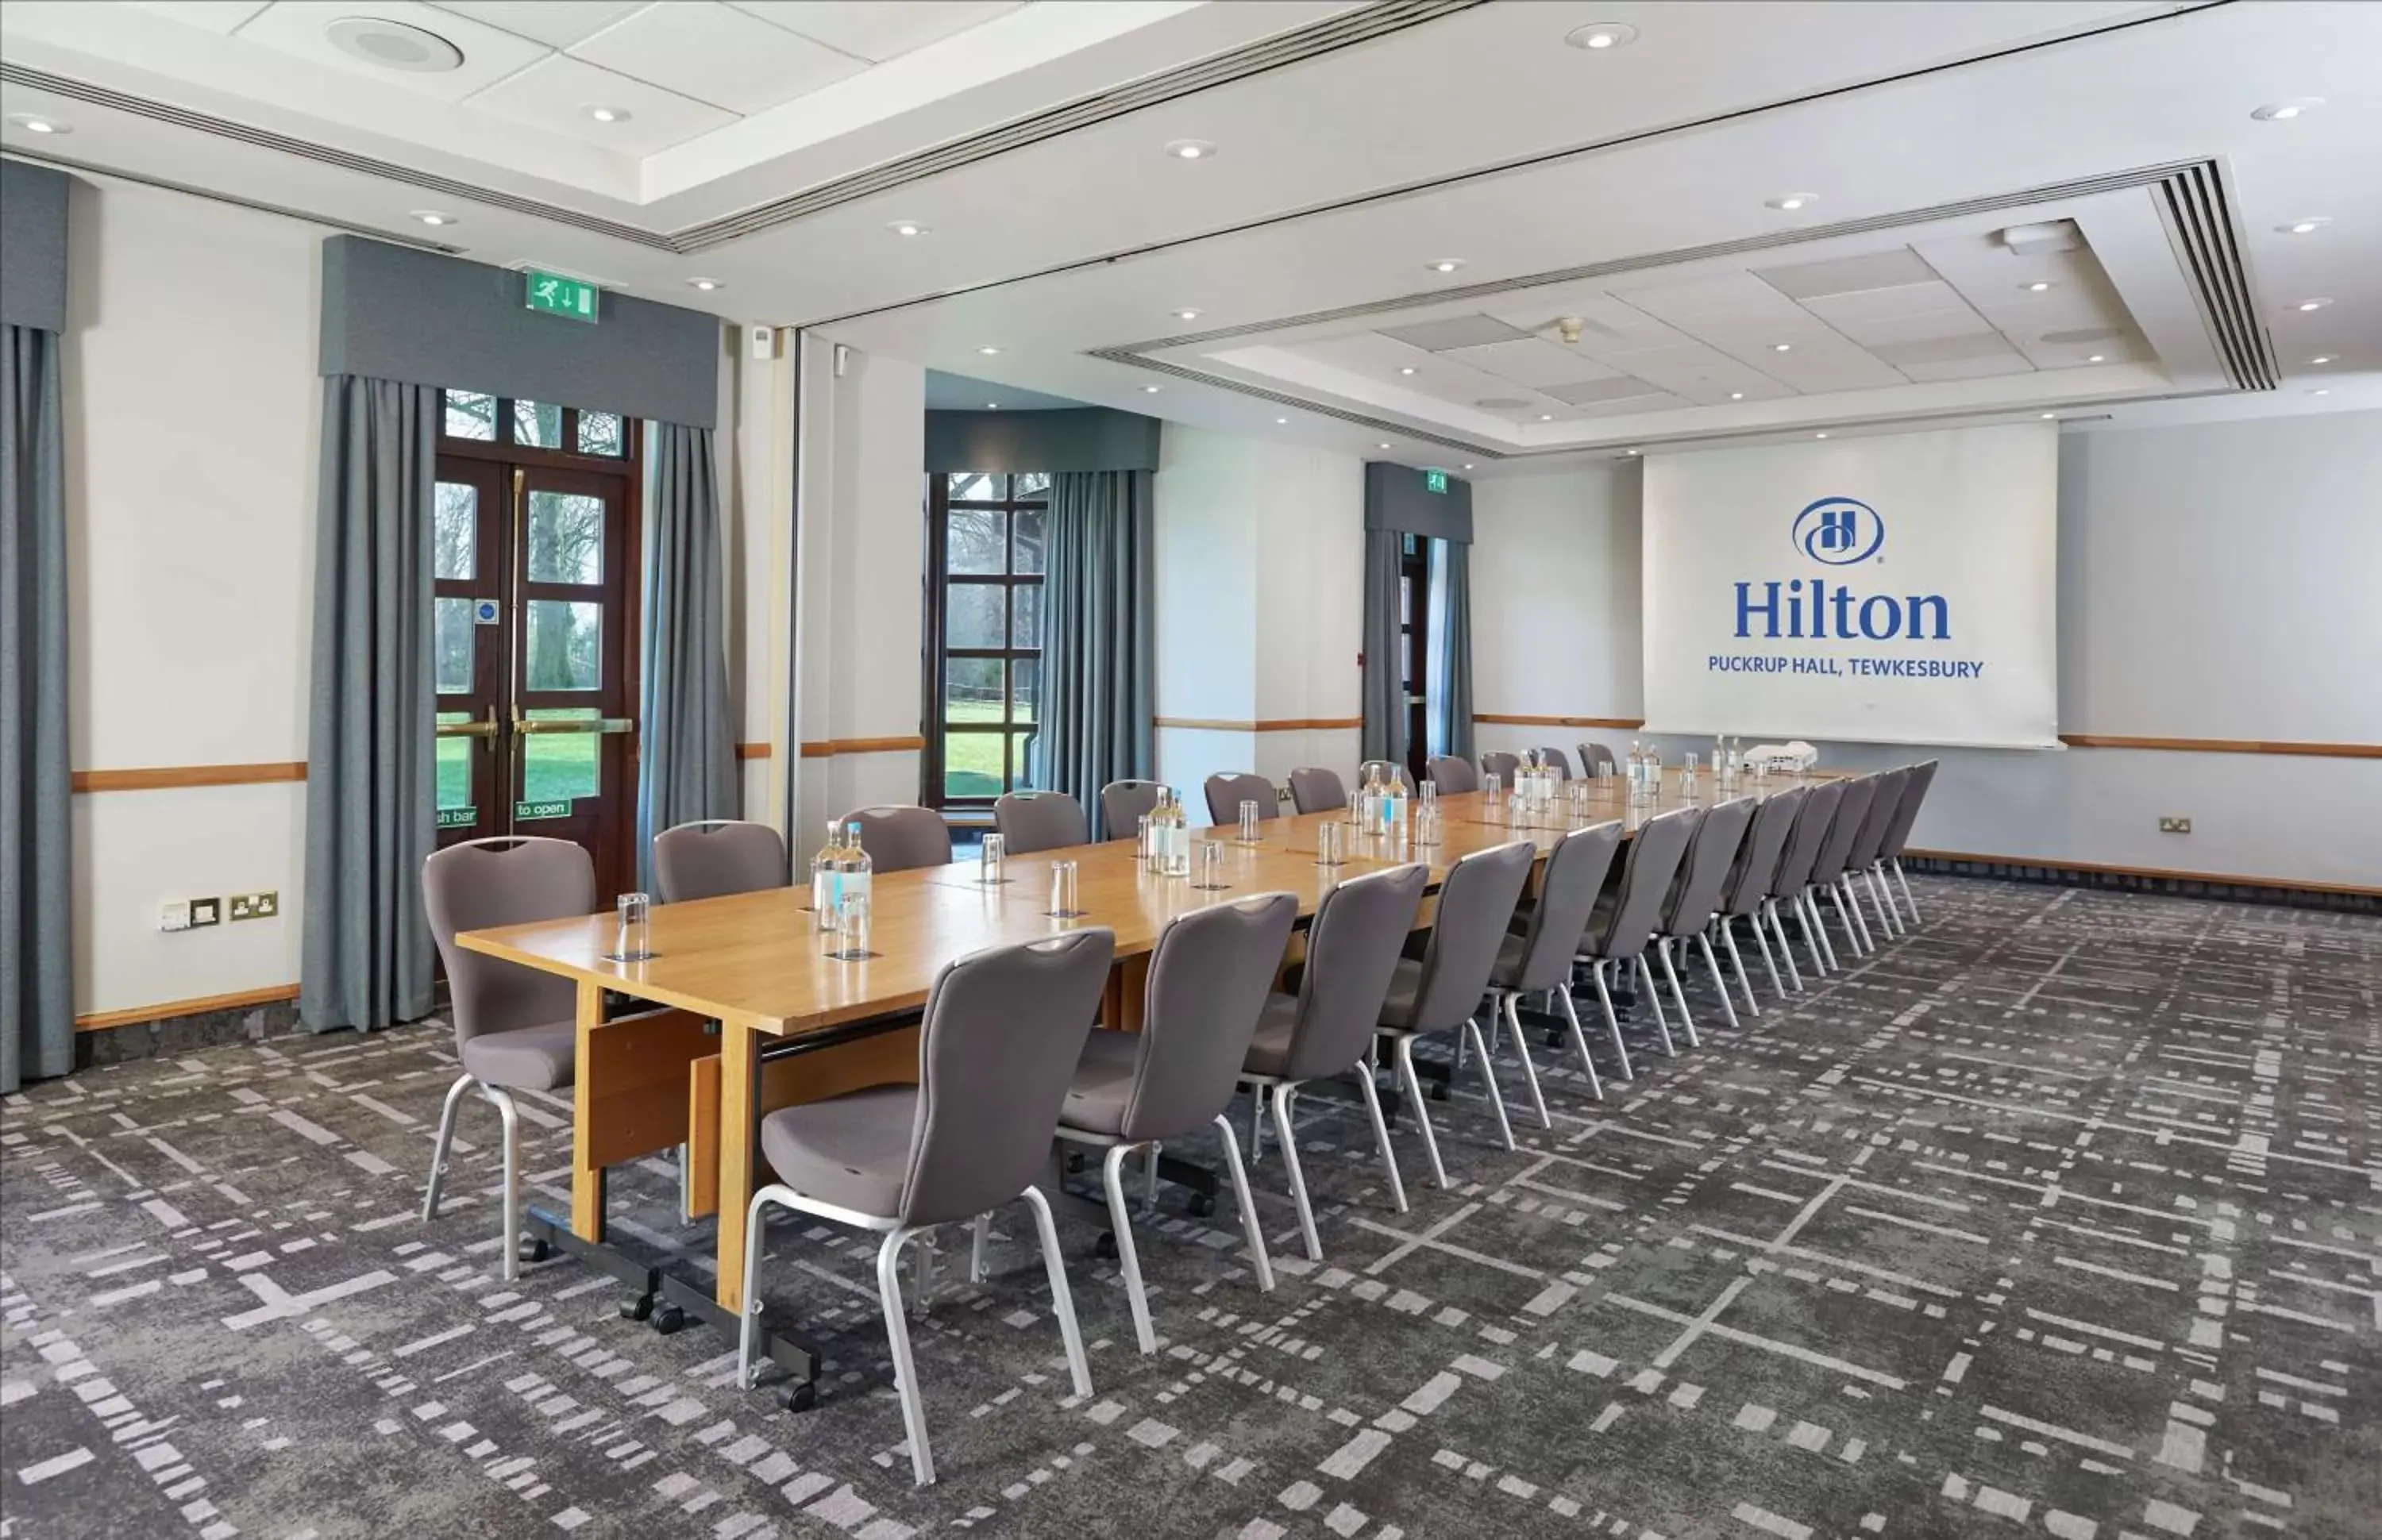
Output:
x=1085 y=438
x=1398 y=497
x=32 y=246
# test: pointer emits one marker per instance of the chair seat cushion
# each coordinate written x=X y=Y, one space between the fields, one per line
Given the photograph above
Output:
x=850 y=1150
x=1405 y=983
x=527 y=1058
x=1104 y=1086
x=1507 y=971
x=1269 y=1050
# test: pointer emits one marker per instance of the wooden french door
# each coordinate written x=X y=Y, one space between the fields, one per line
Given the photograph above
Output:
x=535 y=655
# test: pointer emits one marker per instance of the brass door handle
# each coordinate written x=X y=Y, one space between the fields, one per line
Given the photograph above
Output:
x=573 y=724
x=483 y=728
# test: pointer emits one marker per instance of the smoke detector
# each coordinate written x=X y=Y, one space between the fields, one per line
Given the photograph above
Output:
x=1568 y=327
x=393 y=44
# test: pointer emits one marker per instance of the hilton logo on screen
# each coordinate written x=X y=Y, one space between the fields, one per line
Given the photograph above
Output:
x=1838 y=531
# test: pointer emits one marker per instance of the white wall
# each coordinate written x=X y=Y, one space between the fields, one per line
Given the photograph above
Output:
x=2216 y=581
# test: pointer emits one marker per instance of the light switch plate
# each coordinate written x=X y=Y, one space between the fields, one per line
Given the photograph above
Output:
x=173 y=915
x=205 y=911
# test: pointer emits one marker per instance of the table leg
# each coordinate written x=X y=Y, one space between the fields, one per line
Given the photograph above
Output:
x=586 y=1174
x=739 y=1089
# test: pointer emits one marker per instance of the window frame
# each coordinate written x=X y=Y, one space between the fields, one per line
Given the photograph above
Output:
x=938 y=653
x=1414 y=647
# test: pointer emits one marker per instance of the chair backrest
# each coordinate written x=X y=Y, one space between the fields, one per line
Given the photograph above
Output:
x=1030 y=820
x=1757 y=863
x=1882 y=808
x=903 y=838
x=1501 y=765
x=482 y=883
x=1712 y=855
x=1352 y=954
x=1227 y=793
x=1595 y=759
x=1453 y=776
x=1209 y=978
x=1556 y=760
x=1653 y=861
x=1316 y=790
x=1850 y=809
x=1576 y=872
x=1124 y=804
x=1476 y=903
x=1906 y=812
x=1811 y=832
x=1004 y=1029
x=717 y=857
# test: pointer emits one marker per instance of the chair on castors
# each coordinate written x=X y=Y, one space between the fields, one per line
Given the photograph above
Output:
x=1555 y=760
x=1003 y=1031
x=1749 y=886
x=1906 y=814
x=1442 y=990
x=1452 y=776
x=1327 y=1027
x=1891 y=785
x=1537 y=957
x=1794 y=879
x=1124 y=804
x=1501 y=765
x=1828 y=871
x=516 y=1029
x=903 y=838
x=1314 y=790
x=1227 y=793
x=1210 y=974
x=1622 y=928
x=1595 y=759
x=715 y=857
x=1695 y=898
x=1031 y=821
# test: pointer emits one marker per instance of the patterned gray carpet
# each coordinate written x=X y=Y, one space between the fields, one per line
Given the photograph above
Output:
x=2059 y=1216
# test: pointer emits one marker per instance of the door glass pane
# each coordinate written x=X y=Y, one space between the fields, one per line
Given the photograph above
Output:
x=559 y=766
x=564 y=636
x=470 y=416
x=455 y=763
x=975 y=615
x=1031 y=483
x=1025 y=689
x=457 y=527
x=974 y=542
x=566 y=538
x=1026 y=617
x=537 y=425
x=1020 y=772
x=451 y=641
x=978 y=486
x=972 y=690
x=1028 y=531
x=972 y=763
x=599 y=432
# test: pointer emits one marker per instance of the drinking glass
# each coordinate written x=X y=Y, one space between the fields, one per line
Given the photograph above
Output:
x=1212 y=865
x=1429 y=827
x=1517 y=812
x=1688 y=770
x=1331 y=844
x=852 y=926
x=1490 y=784
x=1141 y=850
x=629 y=946
x=989 y=864
x=1428 y=793
x=1063 y=890
x=1249 y=822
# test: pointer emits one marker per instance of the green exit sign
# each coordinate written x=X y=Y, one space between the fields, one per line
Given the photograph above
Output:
x=555 y=295
x=1435 y=481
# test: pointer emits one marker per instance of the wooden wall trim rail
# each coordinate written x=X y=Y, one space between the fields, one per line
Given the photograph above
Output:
x=173 y=775
x=1270 y=725
x=166 y=1010
x=1505 y=721
x=833 y=746
x=753 y=751
x=2156 y=873
x=2224 y=746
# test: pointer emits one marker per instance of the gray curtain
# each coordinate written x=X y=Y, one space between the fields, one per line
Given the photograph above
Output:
x=1384 y=710
x=687 y=755
x=1450 y=690
x=1099 y=638
x=36 y=789
x=371 y=775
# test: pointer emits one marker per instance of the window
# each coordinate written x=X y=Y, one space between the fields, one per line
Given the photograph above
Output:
x=533 y=425
x=984 y=636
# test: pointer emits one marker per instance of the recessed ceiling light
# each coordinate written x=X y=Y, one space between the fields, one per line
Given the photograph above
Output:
x=2098 y=358
x=2321 y=357
x=1790 y=201
x=1600 y=35
x=2049 y=415
x=431 y=217
x=1281 y=422
x=34 y=123
x=907 y=227
x=1468 y=465
x=1186 y=315
x=1782 y=346
x=1189 y=148
x=1819 y=435
x=2321 y=390
x=2284 y=111
x=988 y=352
x=2037 y=287
x=1445 y=264
x=1406 y=370
x=610 y=115
x=2307 y=226
x=1546 y=417
x=992 y=406
x=2313 y=304
x=393 y=45
x=707 y=284
x=1628 y=451
x=1736 y=396
x=1151 y=390
x=1384 y=446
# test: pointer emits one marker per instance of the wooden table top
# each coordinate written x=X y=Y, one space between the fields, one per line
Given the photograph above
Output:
x=755 y=959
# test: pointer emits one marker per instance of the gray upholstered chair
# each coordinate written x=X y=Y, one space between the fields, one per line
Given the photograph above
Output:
x=1695 y=900
x=1620 y=930
x=1906 y=812
x=1794 y=879
x=1557 y=761
x=1537 y=958
x=1749 y=886
x=1210 y=974
x=1442 y=990
x=1003 y=1030
x=1452 y=776
x=1595 y=759
x=903 y=838
x=1828 y=871
x=1031 y=821
x=1227 y=793
x=1314 y=790
x=1327 y=1027
x=1124 y=804
x=717 y=857
x=1891 y=786
x=516 y=1029
x=1501 y=765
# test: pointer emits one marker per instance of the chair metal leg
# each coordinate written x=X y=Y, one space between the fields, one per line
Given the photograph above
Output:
x=905 y=1367
x=1720 y=986
x=1860 y=922
x=1578 y=1038
x=1785 y=953
x=1905 y=884
x=1149 y=1179
x=1251 y=1230
x=1402 y=1050
x=511 y=1120
x=1487 y=1072
x=749 y=1327
x=1522 y=1050
x=923 y=1285
x=1612 y=1021
x=1381 y=1132
x=1128 y=1258
x=983 y=1236
x=1257 y=1123
x=1845 y=919
x=1654 y=998
x=685 y=1187
x=1297 y=1176
x=439 y=1149
x=1815 y=933
x=1678 y=996
x=1887 y=920
x=1736 y=961
x=1062 y=1302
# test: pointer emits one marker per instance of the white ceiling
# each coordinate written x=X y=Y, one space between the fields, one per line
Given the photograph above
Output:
x=1476 y=135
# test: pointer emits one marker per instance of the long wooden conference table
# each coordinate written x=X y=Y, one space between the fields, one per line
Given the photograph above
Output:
x=755 y=1015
